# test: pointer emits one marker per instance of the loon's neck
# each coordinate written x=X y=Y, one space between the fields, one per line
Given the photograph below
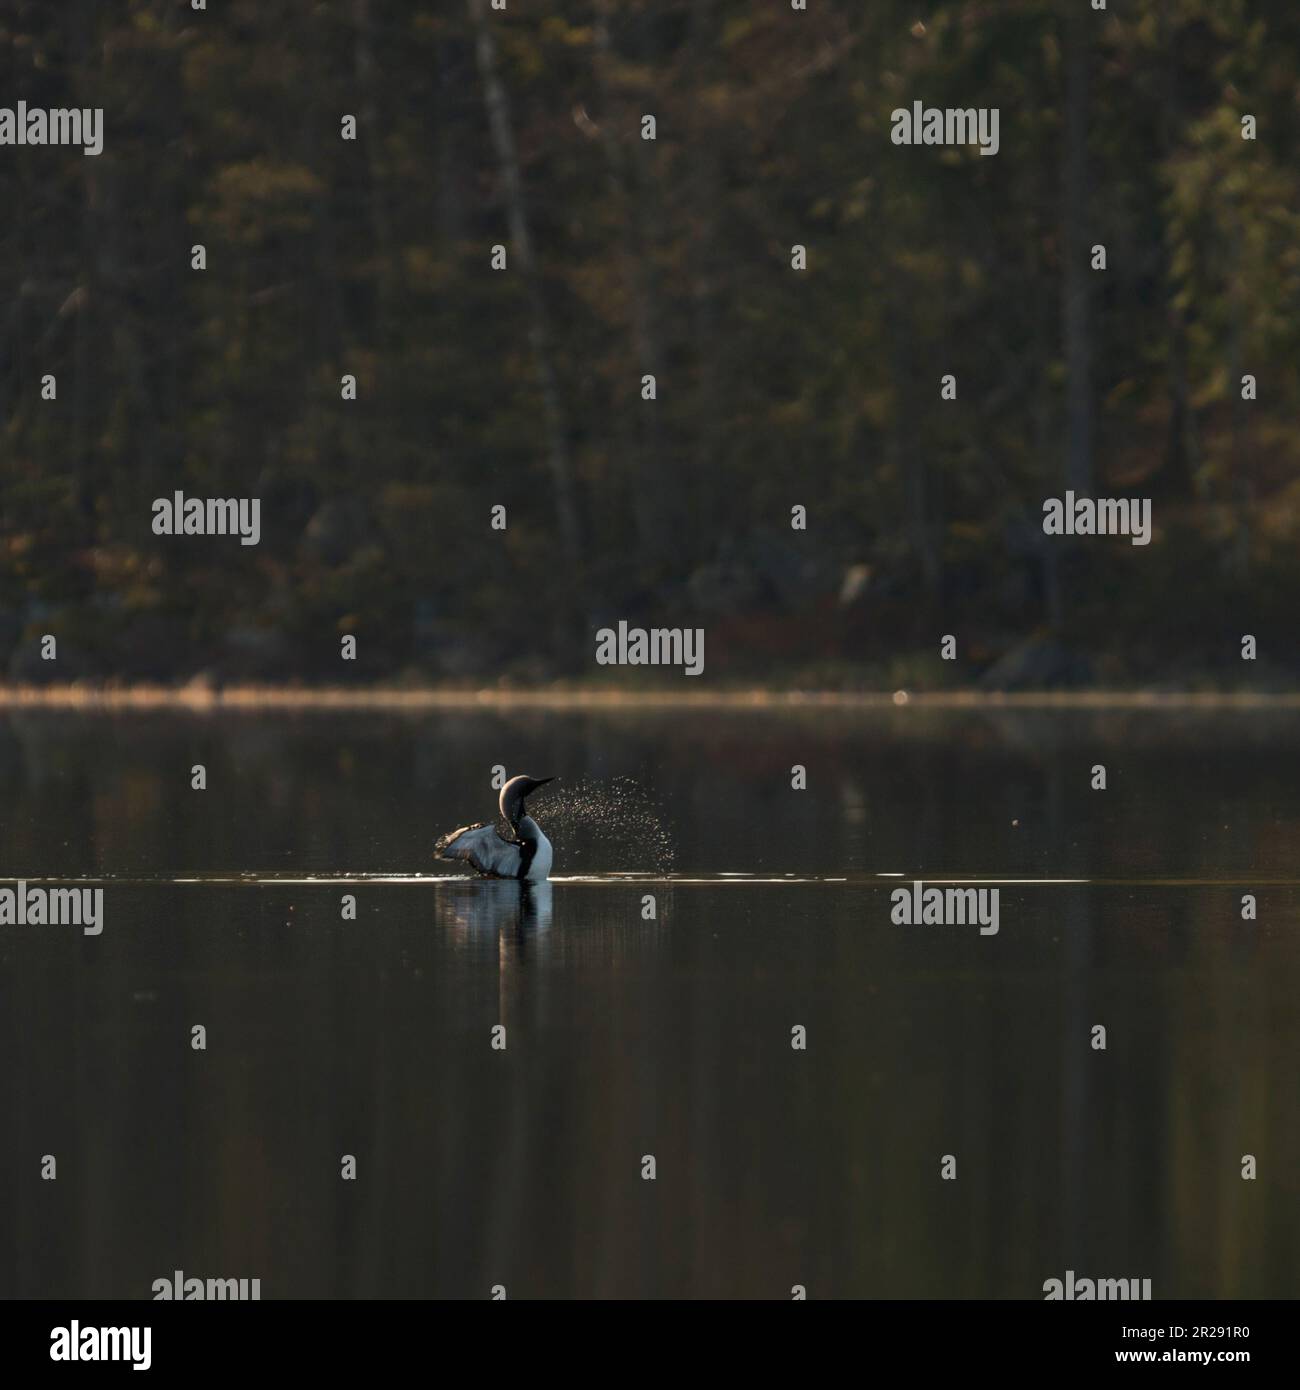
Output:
x=529 y=831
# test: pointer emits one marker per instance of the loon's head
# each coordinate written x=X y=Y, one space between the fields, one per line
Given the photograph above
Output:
x=515 y=791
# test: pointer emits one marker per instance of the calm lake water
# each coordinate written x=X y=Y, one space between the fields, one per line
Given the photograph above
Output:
x=672 y=1037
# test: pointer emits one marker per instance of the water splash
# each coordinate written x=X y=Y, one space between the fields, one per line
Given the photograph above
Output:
x=612 y=821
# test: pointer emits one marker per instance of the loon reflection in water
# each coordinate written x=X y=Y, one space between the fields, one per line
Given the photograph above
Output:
x=523 y=907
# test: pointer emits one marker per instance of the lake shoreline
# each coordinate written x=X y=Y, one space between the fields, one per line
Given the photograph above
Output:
x=255 y=698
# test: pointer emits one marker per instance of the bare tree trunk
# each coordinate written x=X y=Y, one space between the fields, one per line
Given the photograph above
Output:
x=503 y=142
x=332 y=320
x=1239 y=468
x=908 y=455
x=109 y=278
x=449 y=217
x=645 y=478
x=1077 y=306
x=1045 y=425
x=380 y=221
x=1180 y=445
x=705 y=260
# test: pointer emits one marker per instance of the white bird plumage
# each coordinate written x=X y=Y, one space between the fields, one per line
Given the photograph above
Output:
x=527 y=857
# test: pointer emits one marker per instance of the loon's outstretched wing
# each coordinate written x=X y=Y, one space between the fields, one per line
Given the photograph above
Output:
x=483 y=847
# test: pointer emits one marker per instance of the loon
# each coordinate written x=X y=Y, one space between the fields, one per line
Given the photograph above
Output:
x=527 y=857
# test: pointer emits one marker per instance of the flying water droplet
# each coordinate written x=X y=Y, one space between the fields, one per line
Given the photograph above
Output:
x=612 y=823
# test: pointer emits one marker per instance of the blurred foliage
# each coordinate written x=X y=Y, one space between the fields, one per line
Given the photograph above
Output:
x=671 y=258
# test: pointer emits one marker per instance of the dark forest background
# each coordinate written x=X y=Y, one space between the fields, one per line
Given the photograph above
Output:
x=627 y=257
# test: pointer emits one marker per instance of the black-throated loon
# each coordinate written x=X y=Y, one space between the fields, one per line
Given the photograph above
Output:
x=528 y=856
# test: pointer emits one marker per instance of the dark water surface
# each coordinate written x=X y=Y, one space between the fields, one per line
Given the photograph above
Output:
x=671 y=1037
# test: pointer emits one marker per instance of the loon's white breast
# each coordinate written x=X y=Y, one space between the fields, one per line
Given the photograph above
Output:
x=537 y=849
